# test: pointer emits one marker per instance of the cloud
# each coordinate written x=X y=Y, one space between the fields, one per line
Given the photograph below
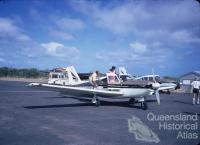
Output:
x=35 y=14
x=8 y=30
x=61 y=35
x=157 y=19
x=133 y=16
x=185 y=36
x=2 y=60
x=2 y=53
x=138 y=47
x=15 y=43
x=53 y=48
x=137 y=53
x=160 y=30
x=70 y=24
x=19 y=48
x=118 y=20
x=61 y=51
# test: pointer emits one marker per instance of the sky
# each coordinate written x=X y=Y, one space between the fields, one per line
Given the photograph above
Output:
x=97 y=34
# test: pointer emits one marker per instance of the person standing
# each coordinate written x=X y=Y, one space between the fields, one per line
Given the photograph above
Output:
x=93 y=78
x=195 y=85
x=111 y=75
x=112 y=69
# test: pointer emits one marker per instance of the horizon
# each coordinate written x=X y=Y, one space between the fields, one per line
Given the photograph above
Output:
x=134 y=74
x=95 y=35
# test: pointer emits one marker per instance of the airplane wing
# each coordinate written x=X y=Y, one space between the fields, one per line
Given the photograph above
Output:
x=90 y=92
x=166 y=88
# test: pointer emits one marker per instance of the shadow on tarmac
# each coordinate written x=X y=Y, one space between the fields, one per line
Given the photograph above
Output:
x=87 y=102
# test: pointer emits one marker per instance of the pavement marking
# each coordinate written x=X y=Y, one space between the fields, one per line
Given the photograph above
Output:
x=141 y=131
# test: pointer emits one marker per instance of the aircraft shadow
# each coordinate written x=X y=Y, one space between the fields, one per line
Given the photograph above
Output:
x=151 y=101
x=86 y=102
x=88 y=99
x=58 y=106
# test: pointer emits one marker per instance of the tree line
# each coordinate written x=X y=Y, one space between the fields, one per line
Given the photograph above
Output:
x=22 y=73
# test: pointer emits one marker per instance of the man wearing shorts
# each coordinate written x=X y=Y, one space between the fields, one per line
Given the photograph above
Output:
x=195 y=84
x=93 y=78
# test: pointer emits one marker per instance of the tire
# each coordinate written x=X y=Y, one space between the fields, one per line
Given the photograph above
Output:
x=98 y=103
x=131 y=101
x=144 y=105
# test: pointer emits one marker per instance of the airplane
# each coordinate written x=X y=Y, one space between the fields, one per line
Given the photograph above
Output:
x=113 y=90
x=68 y=77
x=164 y=84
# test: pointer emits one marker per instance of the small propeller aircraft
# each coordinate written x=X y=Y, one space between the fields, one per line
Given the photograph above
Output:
x=165 y=85
x=136 y=93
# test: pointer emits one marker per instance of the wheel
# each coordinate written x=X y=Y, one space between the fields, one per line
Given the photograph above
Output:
x=144 y=105
x=131 y=101
x=97 y=103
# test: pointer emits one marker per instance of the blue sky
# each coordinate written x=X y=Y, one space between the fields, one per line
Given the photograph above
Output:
x=96 y=34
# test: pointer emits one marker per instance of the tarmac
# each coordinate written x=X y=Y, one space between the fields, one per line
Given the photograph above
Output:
x=29 y=116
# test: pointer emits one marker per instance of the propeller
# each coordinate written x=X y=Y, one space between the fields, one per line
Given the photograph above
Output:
x=154 y=79
x=157 y=96
x=156 y=87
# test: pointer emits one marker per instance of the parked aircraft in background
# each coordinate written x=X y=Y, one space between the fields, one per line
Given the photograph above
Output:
x=165 y=85
x=68 y=77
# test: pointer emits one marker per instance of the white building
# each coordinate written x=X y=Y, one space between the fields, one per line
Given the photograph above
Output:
x=187 y=79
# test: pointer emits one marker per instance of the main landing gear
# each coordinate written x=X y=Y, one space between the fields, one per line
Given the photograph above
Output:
x=142 y=102
x=144 y=105
x=96 y=101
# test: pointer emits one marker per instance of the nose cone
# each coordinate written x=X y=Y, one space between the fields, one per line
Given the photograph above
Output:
x=155 y=85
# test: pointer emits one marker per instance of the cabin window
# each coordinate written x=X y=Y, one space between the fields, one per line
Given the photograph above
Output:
x=157 y=78
x=150 y=78
x=54 y=76
x=124 y=78
x=145 y=78
x=65 y=75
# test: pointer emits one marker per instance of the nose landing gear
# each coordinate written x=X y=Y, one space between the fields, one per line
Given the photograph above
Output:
x=142 y=102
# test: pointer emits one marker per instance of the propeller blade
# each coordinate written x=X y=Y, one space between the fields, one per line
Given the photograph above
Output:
x=153 y=75
x=157 y=96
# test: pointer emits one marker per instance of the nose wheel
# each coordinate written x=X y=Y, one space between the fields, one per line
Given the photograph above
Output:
x=142 y=103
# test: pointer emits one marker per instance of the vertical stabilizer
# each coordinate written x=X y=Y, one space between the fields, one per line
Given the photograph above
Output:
x=73 y=76
x=122 y=70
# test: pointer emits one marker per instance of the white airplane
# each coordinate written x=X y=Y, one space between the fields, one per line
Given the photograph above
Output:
x=164 y=84
x=113 y=90
x=68 y=77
